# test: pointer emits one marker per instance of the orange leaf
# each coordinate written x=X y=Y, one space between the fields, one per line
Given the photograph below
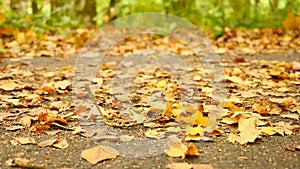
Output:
x=231 y=106
x=43 y=117
x=168 y=109
x=2 y=18
x=42 y=127
x=292 y=22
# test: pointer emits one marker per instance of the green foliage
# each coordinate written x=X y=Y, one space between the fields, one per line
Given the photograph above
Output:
x=213 y=14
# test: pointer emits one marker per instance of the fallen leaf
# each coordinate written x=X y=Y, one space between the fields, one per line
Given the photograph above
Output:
x=231 y=106
x=283 y=128
x=181 y=150
x=24 y=163
x=25 y=140
x=168 y=109
x=52 y=132
x=248 y=131
x=47 y=143
x=161 y=83
x=179 y=166
x=62 y=84
x=192 y=150
x=290 y=116
x=268 y=130
x=13 y=128
x=26 y=121
x=61 y=144
x=99 y=153
x=177 y=150
x=296 y=66
x=154 y=134
x=9 y=85
x=202 y=166
x=196 y=131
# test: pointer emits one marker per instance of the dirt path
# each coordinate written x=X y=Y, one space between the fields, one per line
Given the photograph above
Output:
x=267 y=152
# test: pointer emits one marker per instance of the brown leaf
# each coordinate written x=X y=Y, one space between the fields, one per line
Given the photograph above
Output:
x=61 y=144
x=26 y=140
x=99 y=153
x=62 y=84
x=41 y=127
x=179 y=166
x=46 y=143
x=177 y=150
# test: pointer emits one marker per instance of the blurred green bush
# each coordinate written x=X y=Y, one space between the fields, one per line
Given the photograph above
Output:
x=212 y=14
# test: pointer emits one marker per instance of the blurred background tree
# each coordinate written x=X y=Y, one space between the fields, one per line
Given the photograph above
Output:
x=213 y=14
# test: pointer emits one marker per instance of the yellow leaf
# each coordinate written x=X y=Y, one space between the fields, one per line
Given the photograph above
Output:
x=187 y=119
x=268 y=130
x=19 y=36
x=179 y=150
x=161 y=83
x=168 y=109
x=192 y=138
x=248 y=131
x=196 y=131
x=231 y=106
x=203 y=121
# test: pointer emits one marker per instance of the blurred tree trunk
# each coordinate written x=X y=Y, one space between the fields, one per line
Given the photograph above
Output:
x=111 y=10
x=274 y=5
x=56 y=7
x=34 y=7
x=90 y=12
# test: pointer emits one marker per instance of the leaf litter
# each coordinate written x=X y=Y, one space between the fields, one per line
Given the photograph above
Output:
x=264 y=89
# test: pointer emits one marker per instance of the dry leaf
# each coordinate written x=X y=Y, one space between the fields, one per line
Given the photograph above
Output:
x=47 y=143
x=62 y=84
x=290 y=116
x=202 y=166
x=9 y=85
x=192 y=150
x=25 y=140
x=177 y=150
x=196 y=131
x=154 y=134
x=296 y=66
x=26 y=121
x=99 y=153
x=248 y=131
x=231 y=106
x=13 y=128
x=268 y=130
x=61 y=144
x=179 y=166
x=181 y=150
